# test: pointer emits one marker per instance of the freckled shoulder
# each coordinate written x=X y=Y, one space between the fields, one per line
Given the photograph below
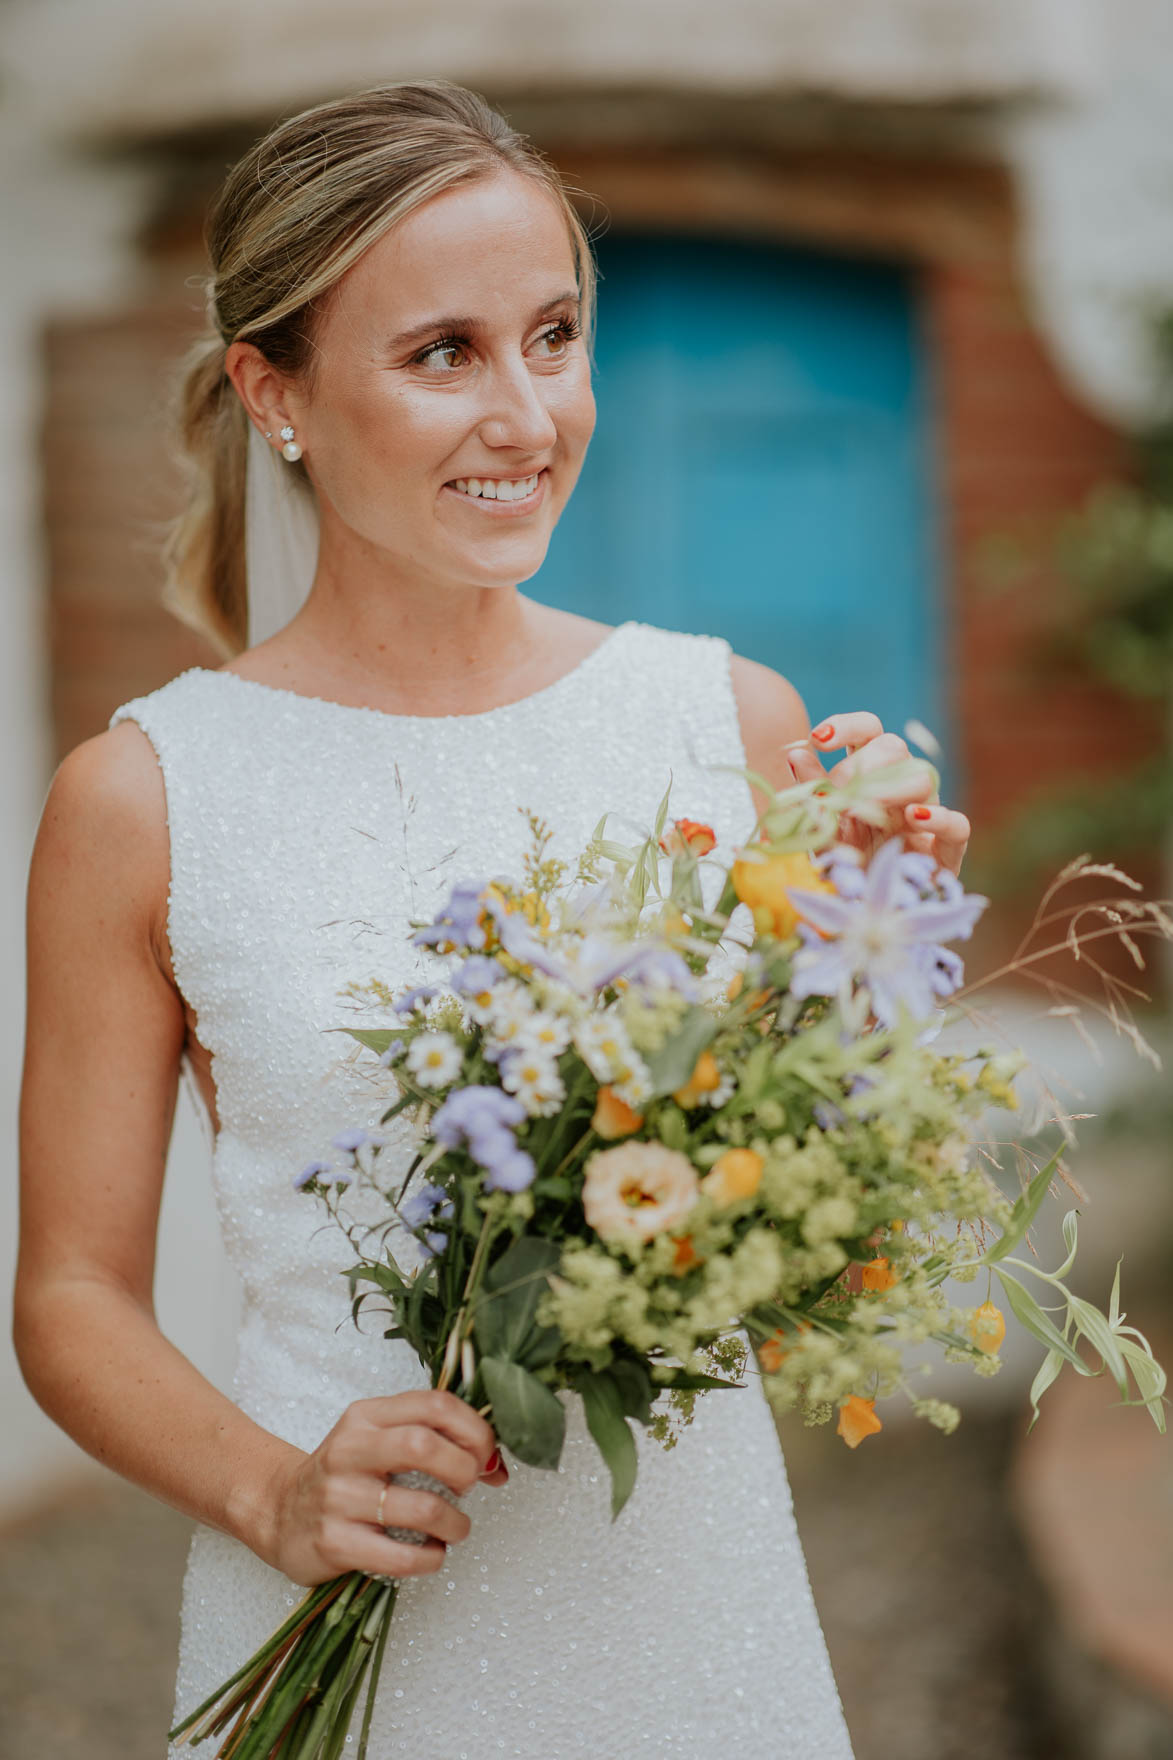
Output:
x=771 y=714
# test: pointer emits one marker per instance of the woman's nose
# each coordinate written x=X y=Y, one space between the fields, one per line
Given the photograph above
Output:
x=517 y=414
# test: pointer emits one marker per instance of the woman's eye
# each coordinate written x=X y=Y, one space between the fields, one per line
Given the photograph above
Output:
x=560 y=336
x=440 y=354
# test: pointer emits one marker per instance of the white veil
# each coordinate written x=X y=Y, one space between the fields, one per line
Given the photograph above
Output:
x=280 y=538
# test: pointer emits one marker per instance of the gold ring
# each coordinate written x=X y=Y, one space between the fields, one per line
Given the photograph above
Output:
x=382 y=1495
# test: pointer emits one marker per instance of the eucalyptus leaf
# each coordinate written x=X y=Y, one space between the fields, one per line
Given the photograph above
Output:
x=527 y=1416
x=513 y=1286
x=635 y=1389
x=608 y=1424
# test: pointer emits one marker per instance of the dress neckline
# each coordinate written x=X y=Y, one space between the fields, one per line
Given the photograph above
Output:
x=546 y=692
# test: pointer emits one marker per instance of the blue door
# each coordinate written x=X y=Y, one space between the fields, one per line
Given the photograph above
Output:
x=759 y=468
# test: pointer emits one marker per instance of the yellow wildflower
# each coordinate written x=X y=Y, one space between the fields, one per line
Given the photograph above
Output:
x=761 y=882
x=735 y=1176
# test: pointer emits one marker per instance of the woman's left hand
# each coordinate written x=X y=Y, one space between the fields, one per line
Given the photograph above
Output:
x=925 y=824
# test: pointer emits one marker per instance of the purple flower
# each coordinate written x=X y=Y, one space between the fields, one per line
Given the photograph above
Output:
x=603 y=959
x=394 y=1050
x=310 y=1174
x=416 y=998
x=472 y=1111
x=458 y=923
x=883 y=932
x=350 y=1141
x=512 y=1173
x=484 y=1118
x=476 y=974
x=429 y=1204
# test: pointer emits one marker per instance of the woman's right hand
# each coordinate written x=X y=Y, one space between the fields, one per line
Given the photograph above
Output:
x=324 y=1510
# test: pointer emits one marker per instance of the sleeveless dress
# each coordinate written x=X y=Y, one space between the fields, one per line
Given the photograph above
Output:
x=305 y=837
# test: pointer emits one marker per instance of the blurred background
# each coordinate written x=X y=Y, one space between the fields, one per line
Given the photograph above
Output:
x=885 y=355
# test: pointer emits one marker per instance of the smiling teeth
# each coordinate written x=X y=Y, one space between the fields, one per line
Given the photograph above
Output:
x=497 y=488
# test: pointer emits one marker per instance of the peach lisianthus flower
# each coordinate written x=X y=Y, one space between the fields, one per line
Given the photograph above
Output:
x=857 y=1419
x=637 y=1190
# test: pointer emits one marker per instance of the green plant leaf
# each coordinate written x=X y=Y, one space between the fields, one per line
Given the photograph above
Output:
x=671 y=1066
x=1049 y=1368
x=1023 y=1214
x=529 y=1419
x=1150 y=1379
x=374 y=1038
x=1094 y=1327
x=612 y=1433
x=514 y=1285
x=1028 y=1313
x=635 y=1389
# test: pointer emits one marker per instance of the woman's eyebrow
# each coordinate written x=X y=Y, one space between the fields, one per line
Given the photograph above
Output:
x=457 y=325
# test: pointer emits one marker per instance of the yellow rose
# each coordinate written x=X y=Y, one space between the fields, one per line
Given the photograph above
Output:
x=614 y=1117
x=735 y=1176
x=987 y=1327
x=704 y=1078
x=878 y=1275
x=761 y=882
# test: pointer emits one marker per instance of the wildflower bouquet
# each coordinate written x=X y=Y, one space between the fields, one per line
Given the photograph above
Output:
x=667 y=1110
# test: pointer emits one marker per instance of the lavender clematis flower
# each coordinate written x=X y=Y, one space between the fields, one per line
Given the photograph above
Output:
x=883 y=933
x=602 y=959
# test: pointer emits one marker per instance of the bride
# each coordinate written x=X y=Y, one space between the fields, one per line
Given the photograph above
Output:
x=402 y=298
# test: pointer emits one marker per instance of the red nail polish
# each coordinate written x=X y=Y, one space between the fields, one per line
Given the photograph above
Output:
x=922 y=812
x=823 y=731
x=493 y=1462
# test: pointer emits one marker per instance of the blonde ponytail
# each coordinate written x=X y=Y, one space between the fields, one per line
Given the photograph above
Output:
x=292 y=217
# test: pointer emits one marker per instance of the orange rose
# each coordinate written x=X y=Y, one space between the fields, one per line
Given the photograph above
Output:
x=773 y=1352
x=857 y=1419
x=878 y=1275
x=735 y=1176
x=688 y=837
x=762 y=882
x=685 y=1256
x=987 y=1327
x=613 y=1117
x=704 y=1078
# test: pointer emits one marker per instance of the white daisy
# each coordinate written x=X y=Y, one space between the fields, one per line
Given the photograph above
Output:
x=510 y=1012
x=604 y=1047
x=545 y=1032
x=434 y=1059
x=532 y=1074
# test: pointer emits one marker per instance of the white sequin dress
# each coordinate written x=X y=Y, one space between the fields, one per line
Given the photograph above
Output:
x=305 y=835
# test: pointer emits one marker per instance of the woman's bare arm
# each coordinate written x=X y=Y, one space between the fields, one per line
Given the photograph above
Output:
x=105 y=1033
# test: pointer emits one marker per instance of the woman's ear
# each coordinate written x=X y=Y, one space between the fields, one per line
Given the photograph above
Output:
x=259 y=386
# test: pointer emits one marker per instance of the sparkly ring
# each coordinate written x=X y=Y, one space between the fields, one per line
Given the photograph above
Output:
x=382 y=1495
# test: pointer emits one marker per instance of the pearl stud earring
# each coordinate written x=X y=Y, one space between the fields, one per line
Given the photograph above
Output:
x=291 y=451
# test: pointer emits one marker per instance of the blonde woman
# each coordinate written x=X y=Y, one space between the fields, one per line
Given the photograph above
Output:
x=399 y=371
